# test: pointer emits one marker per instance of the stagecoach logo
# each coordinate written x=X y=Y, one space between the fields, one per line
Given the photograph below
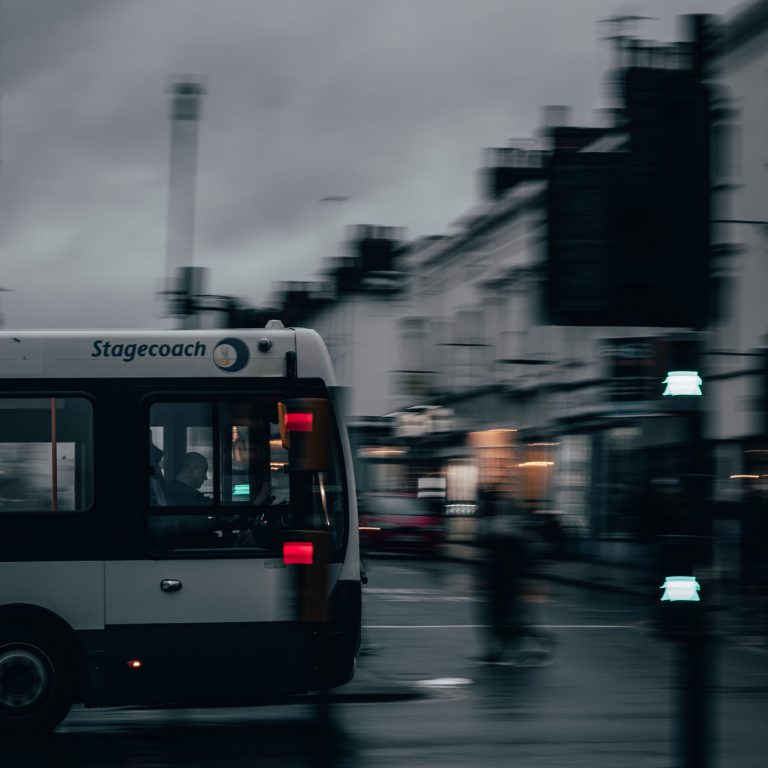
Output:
x=230 y=355
x=128 y=352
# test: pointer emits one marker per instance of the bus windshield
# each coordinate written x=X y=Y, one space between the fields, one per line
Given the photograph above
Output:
x=219 y=477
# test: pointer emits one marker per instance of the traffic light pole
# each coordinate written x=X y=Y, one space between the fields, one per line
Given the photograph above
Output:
x=696 y=641
x=688 y=616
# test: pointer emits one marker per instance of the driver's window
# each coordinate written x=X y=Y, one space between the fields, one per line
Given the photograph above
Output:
x=216 y=472
x=253 y=461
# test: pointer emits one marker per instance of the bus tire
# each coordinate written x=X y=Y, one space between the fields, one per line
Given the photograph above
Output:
x=36 y=682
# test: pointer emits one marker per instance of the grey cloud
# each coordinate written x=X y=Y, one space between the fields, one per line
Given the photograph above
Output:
x=388 y=103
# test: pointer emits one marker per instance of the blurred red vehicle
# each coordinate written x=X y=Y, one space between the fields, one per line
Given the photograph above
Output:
x=400 y=524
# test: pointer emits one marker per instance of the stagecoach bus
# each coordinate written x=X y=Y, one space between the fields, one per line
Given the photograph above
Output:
x=177 y=520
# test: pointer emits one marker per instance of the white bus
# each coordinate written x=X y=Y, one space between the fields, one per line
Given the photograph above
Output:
x=177 y=520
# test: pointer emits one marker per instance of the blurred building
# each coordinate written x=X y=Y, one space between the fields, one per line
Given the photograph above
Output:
x=542 y=320
x=534 y=337
x=736 y=423
x=740 y=191
x=355 y=305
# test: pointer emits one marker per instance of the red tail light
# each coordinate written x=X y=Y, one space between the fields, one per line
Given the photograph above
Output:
x=298 y=422
x=298 y=552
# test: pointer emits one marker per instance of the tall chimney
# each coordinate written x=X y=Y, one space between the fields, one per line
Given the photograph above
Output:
x=186 y=96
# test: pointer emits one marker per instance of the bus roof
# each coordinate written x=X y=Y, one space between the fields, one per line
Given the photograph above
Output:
x=223 y=352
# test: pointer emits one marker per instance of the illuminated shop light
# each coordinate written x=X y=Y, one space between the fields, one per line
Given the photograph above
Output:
x=460 y=510
x=373 y=452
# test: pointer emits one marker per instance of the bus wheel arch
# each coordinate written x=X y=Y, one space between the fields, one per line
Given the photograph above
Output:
x=41 y=670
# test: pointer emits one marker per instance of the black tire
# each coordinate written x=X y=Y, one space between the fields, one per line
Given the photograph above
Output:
x=36 y=681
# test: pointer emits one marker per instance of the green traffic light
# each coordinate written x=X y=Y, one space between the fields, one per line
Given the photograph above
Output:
x=683 y=383
x=683 y=588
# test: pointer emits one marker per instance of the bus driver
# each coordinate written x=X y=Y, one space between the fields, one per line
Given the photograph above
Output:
x=184 y=490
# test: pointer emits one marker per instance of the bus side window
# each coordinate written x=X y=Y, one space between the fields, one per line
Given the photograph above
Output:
x=46 y=454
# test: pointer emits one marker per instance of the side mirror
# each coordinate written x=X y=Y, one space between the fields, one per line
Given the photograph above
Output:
x=305 y=433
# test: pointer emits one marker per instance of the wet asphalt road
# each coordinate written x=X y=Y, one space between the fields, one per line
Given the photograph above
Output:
x=606 y=697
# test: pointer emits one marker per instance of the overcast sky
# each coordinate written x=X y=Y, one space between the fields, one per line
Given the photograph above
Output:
x=386 y=102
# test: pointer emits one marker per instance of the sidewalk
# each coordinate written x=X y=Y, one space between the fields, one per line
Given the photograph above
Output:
x=603 y=576
x=594 y=575
x=739 y=615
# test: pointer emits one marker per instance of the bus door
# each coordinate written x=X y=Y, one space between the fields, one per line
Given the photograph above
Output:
x=211 y=610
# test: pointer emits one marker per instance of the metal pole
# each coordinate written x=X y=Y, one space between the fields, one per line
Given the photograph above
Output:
x=695 y=645
x=695 y=662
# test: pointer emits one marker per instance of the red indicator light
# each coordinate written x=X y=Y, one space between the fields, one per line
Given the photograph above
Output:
x=298 y=422
x=134 y=664
x=298 y=552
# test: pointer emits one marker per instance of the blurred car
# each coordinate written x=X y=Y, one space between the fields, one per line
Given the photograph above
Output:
x=400 y=524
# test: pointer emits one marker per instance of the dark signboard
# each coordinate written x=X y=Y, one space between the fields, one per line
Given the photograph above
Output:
x=628 y=228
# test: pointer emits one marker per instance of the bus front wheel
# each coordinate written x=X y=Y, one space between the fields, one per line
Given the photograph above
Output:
x=36 y=683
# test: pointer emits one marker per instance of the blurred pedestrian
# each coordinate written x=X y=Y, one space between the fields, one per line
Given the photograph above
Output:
x=505 y=564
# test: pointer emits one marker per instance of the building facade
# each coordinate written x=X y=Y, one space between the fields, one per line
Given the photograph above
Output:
x=551 y=366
